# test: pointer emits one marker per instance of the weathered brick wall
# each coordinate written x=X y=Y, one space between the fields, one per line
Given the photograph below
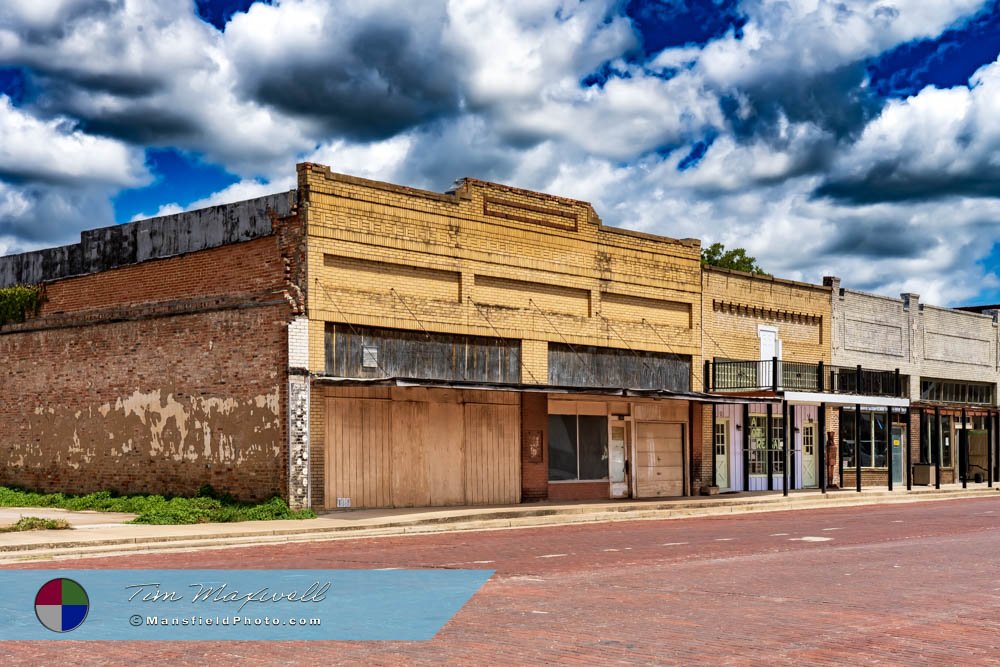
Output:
x=155 y=377
x=534 y=424
x=490 y=260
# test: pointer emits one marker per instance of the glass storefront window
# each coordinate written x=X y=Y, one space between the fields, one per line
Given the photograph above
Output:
x=873 y=439
x=578 y=447
x=847 y=439
x=947 y=437
x=562 y=447
x=593 y=434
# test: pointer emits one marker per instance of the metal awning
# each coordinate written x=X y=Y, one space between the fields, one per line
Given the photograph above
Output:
x=623 y=392
x=815 y=398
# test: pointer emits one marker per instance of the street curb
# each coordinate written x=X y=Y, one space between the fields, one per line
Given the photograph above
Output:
x=497 y=520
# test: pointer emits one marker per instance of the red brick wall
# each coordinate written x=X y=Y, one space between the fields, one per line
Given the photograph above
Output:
x=157 y=377
x=580 y=491
x=534 y=419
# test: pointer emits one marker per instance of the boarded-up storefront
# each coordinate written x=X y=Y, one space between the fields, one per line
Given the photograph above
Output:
x=413 y=447
x=599 y=449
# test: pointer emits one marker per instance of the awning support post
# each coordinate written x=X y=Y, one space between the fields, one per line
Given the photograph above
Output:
x=787 y=411
x=937 y=448
x=821 y=444
x=715 y=472
x=769 y=446
x=909 y=449
x=857 y=442
x=888 y=441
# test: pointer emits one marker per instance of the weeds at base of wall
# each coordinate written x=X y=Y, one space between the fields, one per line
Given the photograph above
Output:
x=36 y=523
x=207 y=507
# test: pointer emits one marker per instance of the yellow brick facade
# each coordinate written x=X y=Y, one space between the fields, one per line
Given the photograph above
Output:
x=734 y=304
x=492 y=260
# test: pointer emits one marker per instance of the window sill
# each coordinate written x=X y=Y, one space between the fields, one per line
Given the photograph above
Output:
x=577 y=481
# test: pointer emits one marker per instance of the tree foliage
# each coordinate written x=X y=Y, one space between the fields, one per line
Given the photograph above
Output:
x=736 y=259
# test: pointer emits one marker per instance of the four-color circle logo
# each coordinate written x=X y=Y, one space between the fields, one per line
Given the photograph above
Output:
x=61 y=605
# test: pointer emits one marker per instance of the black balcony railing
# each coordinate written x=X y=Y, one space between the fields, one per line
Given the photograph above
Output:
x=776 y=375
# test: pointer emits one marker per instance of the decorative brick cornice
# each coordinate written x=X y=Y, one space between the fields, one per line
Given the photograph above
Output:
x=747 y=310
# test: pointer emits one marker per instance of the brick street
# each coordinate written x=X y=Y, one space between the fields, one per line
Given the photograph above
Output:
x=877 y=585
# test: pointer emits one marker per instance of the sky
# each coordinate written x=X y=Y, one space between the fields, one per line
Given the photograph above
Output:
x=856 y=138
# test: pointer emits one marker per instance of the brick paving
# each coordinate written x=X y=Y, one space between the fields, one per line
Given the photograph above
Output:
x=876 y=585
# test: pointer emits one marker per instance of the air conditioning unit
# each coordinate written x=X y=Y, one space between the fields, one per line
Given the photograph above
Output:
x=923 y=474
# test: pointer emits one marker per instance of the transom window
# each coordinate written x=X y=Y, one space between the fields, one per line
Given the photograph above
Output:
x=947 y=391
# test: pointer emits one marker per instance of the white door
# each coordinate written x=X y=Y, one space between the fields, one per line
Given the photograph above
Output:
x=617 y=458
x=769 y=349
x=721 y=445
x=809 y=456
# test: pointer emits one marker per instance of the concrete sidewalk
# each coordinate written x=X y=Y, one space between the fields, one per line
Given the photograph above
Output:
x=104 y=534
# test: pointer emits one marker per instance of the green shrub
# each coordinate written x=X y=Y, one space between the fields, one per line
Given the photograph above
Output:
x=36 y=523
x=207 y=507
x=19 y=301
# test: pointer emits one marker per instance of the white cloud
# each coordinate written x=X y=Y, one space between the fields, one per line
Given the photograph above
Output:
x=422 y=93
x=54 y=150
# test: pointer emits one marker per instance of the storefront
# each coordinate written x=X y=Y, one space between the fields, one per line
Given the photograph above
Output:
x=954 y=438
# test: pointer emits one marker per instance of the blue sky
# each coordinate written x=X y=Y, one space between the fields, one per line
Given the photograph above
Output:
x=850 y=137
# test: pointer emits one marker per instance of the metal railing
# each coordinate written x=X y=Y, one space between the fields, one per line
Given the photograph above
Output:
x=775 y=375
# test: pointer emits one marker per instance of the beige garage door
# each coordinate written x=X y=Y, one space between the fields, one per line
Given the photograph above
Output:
x=659 y=461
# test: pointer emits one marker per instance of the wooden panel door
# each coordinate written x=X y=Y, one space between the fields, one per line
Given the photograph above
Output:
x=427 y=454
x=358 y=456
x=492 y=454
x=809 y=458
x=659 y=460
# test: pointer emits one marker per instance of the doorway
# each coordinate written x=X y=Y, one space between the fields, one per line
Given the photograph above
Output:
x=619 y=446
x=898 y=447
x=809 y=456
x=721 y=451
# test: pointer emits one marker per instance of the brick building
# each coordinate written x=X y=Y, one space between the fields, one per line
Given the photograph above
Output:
x=362 y=344
x=493 y=345
x=354 y=343
x=948 y=363
x=770 y=337
x=158 y=360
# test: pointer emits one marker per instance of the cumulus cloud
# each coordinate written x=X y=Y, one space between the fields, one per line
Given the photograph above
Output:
x=938 y=143
x=797 y=158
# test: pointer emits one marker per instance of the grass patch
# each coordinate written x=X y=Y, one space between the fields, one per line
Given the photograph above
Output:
x=207 y=507
x=36 y=523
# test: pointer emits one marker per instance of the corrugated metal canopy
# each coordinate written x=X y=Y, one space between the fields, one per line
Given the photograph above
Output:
x=542 y=388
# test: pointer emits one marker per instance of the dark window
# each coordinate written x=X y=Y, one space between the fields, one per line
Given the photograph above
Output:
x=946 y=391
x=872 y=440
x=946 y=441
x=578 y=447
x=847 y=438
x=562 y=447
